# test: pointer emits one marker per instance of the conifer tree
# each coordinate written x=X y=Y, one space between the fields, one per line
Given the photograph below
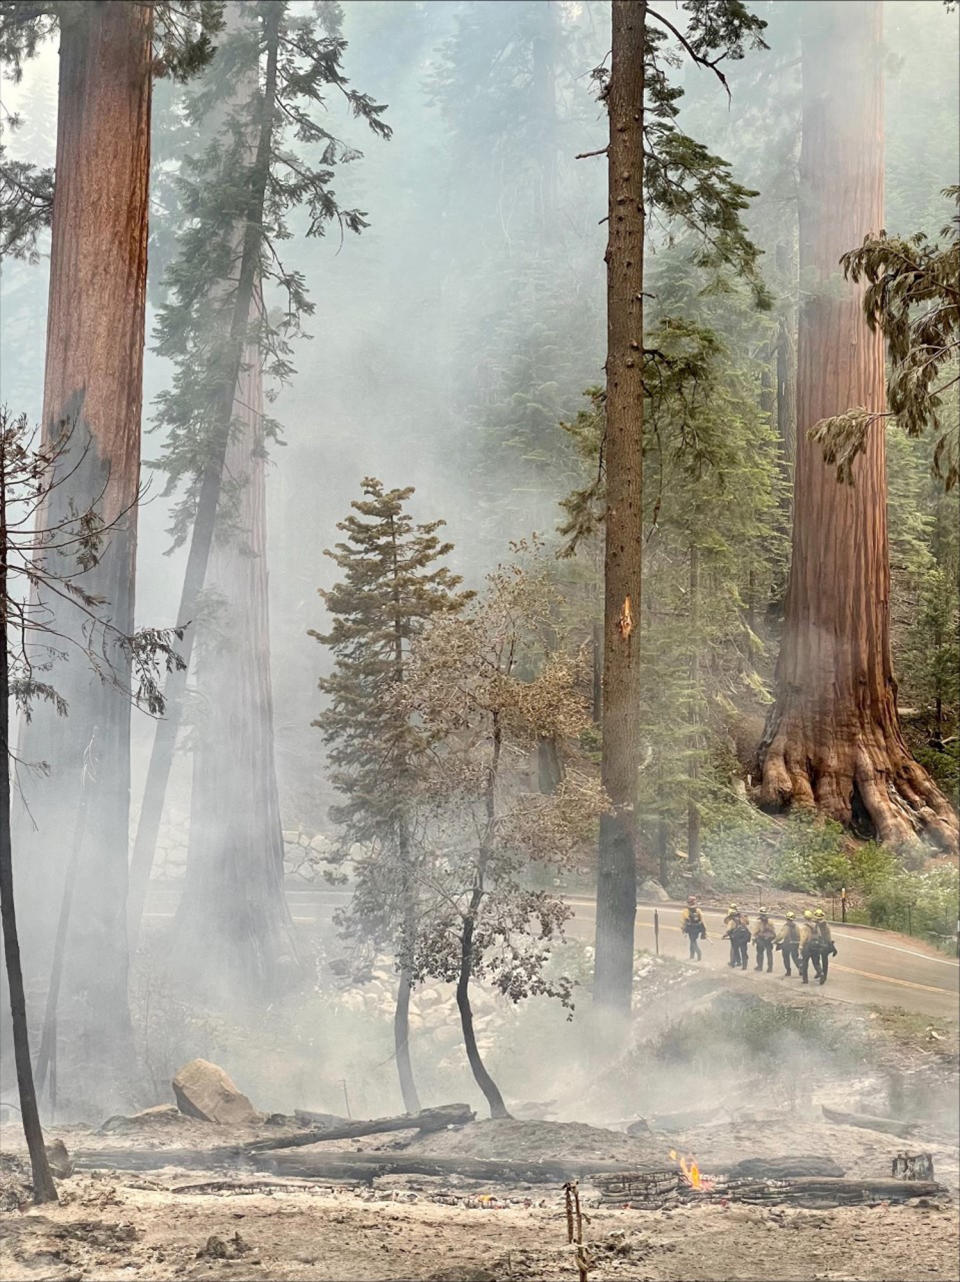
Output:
x=394 y=581
x=651 y=163
x=236 y=198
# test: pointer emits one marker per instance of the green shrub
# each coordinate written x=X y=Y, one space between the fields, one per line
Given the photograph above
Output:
x=870 y=866
x=742 y=1034
x=736 y=848
x=942 y=764
x=811 y=856
x=923 y=903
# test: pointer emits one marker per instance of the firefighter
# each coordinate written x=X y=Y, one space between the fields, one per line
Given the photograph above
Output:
x=694 y=927
x=731 y=920
x=824 y=944
x=809 y=948
x=764 y=934
x=738 y=932
x=788 y=944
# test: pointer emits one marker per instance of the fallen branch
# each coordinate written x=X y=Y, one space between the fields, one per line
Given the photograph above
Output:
x=888 y=1125
x=428 y=1119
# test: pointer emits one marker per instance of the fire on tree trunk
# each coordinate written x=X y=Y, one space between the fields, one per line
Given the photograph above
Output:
x=833 y=740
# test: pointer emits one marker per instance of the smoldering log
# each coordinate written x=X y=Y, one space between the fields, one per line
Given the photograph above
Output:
x=619 y=1183
x=657 y=1189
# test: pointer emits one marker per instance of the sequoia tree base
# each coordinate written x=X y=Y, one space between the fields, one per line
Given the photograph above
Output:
x=866 y=776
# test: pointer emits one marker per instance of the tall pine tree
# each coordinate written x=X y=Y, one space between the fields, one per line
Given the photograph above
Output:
x=651 y=163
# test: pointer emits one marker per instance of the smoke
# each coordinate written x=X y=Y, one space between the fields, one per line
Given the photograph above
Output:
x=446 y=341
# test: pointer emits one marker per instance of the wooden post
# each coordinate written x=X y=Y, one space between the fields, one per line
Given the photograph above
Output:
x=656 y=931
x=575 y=1227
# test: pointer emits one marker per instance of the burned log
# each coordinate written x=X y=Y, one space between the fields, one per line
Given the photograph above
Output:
x=783 y=1168
x=366 y=1167
x=310 y=1121
x=153 y=1159
x=913 y=1166
x=361 y=1167
x=889 y=1125
x=686 y=1119
x=428 y=1119
x=658 y=1189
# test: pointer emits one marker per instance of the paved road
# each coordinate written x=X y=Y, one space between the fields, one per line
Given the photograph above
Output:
x=870 y=966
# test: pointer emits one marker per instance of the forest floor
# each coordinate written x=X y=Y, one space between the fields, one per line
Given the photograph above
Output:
x=134 y=1227
x=757 y=1095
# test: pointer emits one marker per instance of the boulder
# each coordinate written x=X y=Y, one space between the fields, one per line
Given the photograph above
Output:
x=59 y=1159
x=159 y=1114
x=651 y=889
x=204 y=1090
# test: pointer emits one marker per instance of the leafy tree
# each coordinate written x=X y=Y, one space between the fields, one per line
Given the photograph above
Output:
x=481 y=688
x=911 y=296
x=394 y=584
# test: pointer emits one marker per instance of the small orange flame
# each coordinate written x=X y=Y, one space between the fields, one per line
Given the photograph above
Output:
x=691 y=1170
x=625 y=622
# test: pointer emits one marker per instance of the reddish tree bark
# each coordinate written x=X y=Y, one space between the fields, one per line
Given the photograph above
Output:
x=93 y=385
x=233 y=915
x=623 y=459
x=833 y=740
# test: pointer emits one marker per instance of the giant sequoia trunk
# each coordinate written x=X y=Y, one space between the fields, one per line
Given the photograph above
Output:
x=92 y=387
x=230 y=358
x=233 y=916
x=623 y=457
x=833 y=740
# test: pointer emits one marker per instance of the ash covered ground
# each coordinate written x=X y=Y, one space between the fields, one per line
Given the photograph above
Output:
x=720 y=1075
